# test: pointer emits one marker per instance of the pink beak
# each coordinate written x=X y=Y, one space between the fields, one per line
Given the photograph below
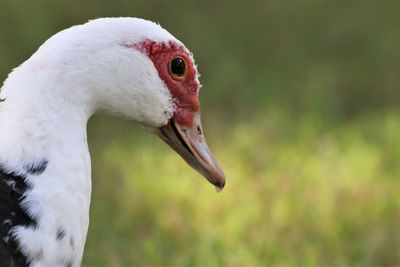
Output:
x=191 y=145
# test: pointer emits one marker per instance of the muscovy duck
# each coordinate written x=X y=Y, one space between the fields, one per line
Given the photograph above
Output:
x=127 y=67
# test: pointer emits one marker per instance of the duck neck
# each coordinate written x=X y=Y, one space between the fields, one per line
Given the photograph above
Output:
x=43 y=145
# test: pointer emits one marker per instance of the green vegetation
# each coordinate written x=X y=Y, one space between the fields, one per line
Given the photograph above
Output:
x=297 y=194
x=301 y=107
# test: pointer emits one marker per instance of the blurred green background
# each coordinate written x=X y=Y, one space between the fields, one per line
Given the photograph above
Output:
x=301 y=107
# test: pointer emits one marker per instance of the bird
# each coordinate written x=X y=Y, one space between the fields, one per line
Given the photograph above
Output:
x=129 y=68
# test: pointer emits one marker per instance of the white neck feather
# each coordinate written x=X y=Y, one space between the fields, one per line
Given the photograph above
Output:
x=37 y=127
x=48 y=101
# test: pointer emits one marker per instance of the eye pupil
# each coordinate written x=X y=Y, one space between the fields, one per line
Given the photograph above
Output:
x=178 y=66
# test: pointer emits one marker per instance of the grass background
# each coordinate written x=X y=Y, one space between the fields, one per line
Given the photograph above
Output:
x=301 y=107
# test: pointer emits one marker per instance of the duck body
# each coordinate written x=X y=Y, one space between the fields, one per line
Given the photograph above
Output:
x=111 y=65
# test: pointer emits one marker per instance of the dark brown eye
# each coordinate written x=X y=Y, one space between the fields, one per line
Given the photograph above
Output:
x=177 y=67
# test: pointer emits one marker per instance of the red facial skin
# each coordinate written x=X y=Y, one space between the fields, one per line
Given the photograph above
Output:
x=184 y=90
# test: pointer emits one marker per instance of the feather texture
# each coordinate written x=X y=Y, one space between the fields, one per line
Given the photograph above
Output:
x=12 y=189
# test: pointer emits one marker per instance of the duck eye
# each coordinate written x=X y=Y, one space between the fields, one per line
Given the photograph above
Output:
x=177 y=67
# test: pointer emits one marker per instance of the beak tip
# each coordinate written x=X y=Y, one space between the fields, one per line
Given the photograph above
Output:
x=219 y=187
x=219 y=183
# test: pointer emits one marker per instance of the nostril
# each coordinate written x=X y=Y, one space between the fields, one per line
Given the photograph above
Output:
x=199 y=130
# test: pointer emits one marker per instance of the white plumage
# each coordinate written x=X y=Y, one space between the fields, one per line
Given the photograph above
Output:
x=48 y=100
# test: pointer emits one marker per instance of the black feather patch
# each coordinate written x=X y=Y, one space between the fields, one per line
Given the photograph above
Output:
x=37 y=168
x=12 y=190
x=60 y=234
